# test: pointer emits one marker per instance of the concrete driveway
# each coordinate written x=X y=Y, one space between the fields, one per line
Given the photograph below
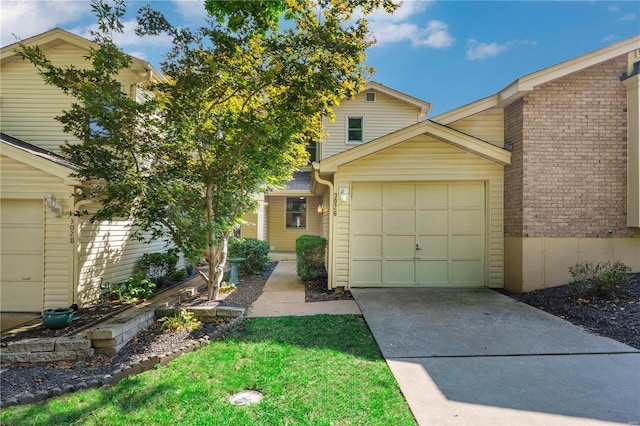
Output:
x=475 y=357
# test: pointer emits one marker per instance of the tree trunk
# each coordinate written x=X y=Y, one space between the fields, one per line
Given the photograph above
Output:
x=216 y=267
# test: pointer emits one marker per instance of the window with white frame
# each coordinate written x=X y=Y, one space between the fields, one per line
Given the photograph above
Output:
x=355 y=129
x=296 y=213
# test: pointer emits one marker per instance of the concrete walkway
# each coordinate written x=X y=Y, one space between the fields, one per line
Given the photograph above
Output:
x=283 y=295
x=476 y=357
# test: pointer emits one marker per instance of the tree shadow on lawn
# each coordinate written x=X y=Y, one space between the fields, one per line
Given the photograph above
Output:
x=348 y=334
x=49 y=412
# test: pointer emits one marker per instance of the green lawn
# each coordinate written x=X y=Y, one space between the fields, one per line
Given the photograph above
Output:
x=320 y=370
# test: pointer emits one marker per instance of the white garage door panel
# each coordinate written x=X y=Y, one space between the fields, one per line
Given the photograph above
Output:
x=21 y=253
x=366 y=222
x=368 y=272
x=432 y=234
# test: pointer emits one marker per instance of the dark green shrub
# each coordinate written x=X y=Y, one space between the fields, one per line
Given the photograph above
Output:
x=254 y=251
x=179 y=275
x=600 y=280
x=159 y=266
x=310 y=251
x=133 y=289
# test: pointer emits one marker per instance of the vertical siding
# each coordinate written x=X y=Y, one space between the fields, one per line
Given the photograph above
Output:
x=18 y=180
x=487 y=125
x=28 y=106
x=423 y=159
x=108 y=254
x=282 y=239
x=384 y=116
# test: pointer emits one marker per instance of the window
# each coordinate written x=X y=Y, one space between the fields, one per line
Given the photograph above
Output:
x=355 y=129
x=296 y=213
x=370 y=97
x=312 y=149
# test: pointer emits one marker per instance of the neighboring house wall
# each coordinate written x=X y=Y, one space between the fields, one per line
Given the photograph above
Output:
x=107 y=254
x=381 y=117
x=26 y=99
x=25 y=187
x=566 y=188
x=423 y=159
x=283 y=239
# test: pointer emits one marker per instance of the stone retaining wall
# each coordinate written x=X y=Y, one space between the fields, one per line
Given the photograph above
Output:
x=46 y=350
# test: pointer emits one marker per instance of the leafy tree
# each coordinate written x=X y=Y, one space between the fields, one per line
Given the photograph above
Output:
x=241 y=99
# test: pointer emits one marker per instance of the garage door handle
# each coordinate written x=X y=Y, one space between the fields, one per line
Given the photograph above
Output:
x=26 y=278
x=418 y=247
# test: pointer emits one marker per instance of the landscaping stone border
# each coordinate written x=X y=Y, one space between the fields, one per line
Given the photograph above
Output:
x=110 y=379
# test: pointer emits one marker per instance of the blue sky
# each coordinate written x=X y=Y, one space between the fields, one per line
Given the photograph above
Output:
x=448 y=53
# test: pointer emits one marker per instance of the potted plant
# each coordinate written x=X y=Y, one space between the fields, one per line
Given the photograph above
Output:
x=55 y=319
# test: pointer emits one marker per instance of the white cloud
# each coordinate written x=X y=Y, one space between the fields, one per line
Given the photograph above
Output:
x=401 y=26
x=477 y=50
x=29 y=18
x=191 y=10
x=629 y=17
x=614 y=8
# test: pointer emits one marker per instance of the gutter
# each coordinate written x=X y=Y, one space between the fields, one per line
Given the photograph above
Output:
x=330 y=254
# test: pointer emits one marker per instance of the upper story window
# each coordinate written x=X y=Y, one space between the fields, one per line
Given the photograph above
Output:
x=355 y=129
x=296 y=213
x=370 y=97
x=312 y=149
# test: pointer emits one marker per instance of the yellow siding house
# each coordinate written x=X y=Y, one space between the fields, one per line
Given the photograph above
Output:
x=51 y=256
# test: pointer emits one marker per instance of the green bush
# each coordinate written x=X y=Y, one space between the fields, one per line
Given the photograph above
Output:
x=159 y=266
x=179 y=275
x=600 y=280
x=255 y=252
x=310 y=251
x=133 y=289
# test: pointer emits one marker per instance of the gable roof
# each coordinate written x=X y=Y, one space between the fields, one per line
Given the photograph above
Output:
x=37 y=157
x=57 y=37
x=423 y=106
x=527 y=83
x=428 y=127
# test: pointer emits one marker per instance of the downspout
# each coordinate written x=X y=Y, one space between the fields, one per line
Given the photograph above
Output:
x=330 y=269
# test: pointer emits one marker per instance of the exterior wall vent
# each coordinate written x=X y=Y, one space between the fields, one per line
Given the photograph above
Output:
x=370 y=97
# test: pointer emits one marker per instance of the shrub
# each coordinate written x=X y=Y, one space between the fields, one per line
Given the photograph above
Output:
x=184 y=321
x=310 y=251
x=600 y=280
x=255 y=252
x=179 y=275
x=159 y=266
x=133 y=289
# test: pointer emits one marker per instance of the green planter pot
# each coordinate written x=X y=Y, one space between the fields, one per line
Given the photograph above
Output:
x=56 y=319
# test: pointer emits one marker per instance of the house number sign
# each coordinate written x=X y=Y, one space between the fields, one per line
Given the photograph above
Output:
x=72 y=234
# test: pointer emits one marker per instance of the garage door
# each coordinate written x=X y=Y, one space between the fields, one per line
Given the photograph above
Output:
x=427 y=235
x=21 y=255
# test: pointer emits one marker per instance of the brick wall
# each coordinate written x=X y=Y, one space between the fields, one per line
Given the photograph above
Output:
x=571 y=157
x=513 y=172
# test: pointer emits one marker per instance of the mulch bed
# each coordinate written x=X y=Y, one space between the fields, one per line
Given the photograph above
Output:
x=617 y=318
x=21 y=379
x=316 y=290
